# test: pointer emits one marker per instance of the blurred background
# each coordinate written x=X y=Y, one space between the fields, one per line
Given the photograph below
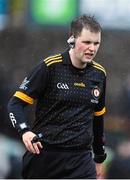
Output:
x=34 y=29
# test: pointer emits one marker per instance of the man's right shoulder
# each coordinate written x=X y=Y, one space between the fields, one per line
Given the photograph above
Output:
x=52 y=60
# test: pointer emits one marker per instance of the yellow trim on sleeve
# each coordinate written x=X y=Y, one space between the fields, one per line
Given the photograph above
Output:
x=98 y=66
x=24 y=97
x=53 y=62
x=99 y=113
x=53 y=57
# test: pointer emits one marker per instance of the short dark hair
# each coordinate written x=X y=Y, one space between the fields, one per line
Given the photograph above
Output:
x=84 y=21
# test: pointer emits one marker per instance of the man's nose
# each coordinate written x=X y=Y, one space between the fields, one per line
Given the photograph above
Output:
x=91 y=47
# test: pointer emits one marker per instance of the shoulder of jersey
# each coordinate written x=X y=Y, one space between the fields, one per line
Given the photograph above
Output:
x=99 y=67
x=53 y=59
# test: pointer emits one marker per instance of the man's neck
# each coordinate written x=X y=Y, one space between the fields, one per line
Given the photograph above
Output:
x=75 y=61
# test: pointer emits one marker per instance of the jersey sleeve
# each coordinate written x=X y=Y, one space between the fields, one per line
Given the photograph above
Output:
x=33 y=84
x=100 y=108
x=29 y=90
x=98 y=128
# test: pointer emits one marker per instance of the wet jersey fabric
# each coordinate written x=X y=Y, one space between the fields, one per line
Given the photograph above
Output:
x=68 y=100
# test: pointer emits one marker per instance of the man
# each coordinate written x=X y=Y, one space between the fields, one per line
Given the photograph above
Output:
x=70 y=93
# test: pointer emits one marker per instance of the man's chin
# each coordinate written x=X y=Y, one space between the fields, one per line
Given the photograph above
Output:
x=88 y=60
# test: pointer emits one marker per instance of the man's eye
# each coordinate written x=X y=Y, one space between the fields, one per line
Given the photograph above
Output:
x=86 y=42
x=96 y=43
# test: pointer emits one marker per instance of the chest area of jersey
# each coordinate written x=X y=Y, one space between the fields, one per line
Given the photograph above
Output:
x=76 y=88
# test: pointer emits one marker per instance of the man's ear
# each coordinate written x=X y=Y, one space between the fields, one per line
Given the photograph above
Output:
x=71 y=41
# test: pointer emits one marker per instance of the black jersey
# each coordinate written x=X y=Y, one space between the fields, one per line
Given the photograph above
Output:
x=67 y=99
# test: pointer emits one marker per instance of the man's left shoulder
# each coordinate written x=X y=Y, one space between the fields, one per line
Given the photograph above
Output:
x=99 y=67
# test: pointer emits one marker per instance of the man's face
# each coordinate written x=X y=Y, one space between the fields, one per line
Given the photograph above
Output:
x=86 y=45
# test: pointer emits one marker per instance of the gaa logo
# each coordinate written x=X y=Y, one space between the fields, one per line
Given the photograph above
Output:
x=62 y=86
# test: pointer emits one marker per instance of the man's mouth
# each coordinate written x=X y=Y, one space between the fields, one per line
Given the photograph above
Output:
x=89 y=55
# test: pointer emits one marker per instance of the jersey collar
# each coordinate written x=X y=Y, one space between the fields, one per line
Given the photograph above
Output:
x=67 y=61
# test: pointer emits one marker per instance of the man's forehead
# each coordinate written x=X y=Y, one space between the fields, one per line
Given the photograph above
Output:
x=89 y=32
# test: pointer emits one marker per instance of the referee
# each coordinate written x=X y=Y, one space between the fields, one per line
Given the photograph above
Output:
x=69 y=89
